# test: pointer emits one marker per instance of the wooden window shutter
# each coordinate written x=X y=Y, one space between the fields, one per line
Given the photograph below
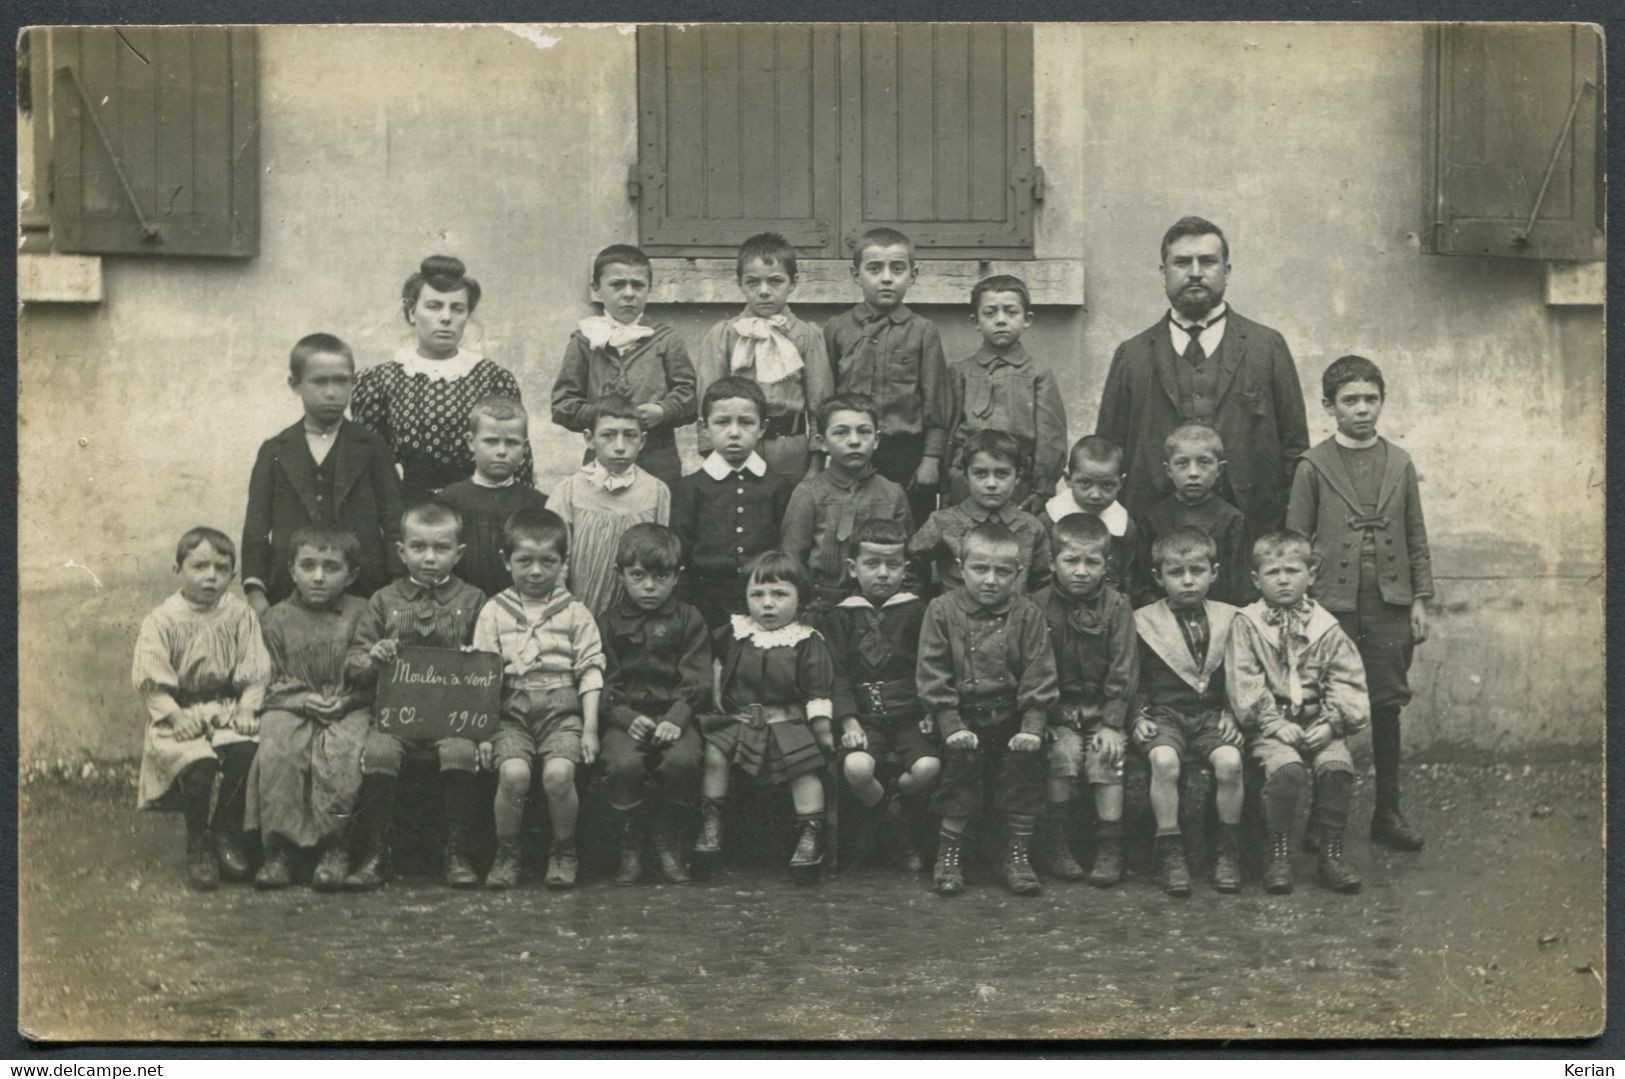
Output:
x=154 y=141
x=1514 y=152
x=737 y=135
x=937 y=136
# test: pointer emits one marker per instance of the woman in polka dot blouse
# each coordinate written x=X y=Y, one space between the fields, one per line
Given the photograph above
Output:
x=419 y=401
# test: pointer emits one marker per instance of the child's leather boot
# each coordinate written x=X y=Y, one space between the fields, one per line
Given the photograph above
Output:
x=1018 y=869
x=1172 y=873
x=949 y=877
x=505 y=868
x=1227 y=859
x=629 y=829
x=275 y=871
x=669 y=845
x=1059 y=861
x=1278 y=873
x=1335 y=873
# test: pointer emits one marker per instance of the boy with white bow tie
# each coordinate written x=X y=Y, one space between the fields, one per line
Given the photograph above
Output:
x=616 y=353
x=767 y=344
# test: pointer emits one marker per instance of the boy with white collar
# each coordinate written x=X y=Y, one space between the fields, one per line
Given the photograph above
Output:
x=728 y=511
x=874 y=637
x=1094 y=478
x=1297 y=687
x=1356 y=496
x=1183 y=718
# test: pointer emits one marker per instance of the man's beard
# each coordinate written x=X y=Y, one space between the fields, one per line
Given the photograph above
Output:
x=1196 y=301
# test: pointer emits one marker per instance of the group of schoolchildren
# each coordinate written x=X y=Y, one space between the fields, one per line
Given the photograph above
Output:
x=766 y=615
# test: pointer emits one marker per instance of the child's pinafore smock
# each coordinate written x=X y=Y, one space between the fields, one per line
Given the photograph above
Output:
x=773 y=683
x=209 y=661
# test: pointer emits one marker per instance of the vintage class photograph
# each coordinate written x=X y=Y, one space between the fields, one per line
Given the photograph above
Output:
x=761 y=532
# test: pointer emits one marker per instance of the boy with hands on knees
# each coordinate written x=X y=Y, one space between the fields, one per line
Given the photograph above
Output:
x=657 y=655
x=874 y=637
x=1183 y=718
x=1297 y=686
x=552 y=678
x=986 y=674
x=1091 y=628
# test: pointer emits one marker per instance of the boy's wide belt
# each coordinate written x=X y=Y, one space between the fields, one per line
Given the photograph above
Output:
x=1306 y=714
x=541 y=683
x=762 y=715
x=887 y=700
x=988 y=713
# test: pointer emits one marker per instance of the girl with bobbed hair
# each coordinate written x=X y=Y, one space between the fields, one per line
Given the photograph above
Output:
x=419 y=401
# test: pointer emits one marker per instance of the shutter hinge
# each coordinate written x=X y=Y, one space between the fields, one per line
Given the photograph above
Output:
x=1038 y=183
x=634 y=185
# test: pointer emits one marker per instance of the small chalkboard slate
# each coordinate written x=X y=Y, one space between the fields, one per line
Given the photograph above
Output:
x=432 y=693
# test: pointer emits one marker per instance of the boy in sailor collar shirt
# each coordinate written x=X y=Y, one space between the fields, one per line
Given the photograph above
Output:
x=1297 y=688
x=1182 y=715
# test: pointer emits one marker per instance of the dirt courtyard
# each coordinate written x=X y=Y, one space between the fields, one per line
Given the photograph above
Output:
x=1496 y=930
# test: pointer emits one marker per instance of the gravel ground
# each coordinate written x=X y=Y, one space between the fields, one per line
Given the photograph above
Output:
x=1496 y=930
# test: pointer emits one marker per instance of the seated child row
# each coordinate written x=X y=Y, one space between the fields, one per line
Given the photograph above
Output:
x=985 y=700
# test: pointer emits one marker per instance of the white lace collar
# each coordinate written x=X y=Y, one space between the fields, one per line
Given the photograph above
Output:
x=605 y=480
x=717 y=467
x=861 y=600
x=746 y=629
x=450 y=369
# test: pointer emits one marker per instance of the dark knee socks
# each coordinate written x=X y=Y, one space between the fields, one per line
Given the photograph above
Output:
x=235 y=761
x=1283 y=794
x=1385 y=756
x=1334 y=791
x=459 y=793
x=196 y=783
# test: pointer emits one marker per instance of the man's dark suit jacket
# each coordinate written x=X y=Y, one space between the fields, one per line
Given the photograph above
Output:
x=282 y=499
x=1260 y=415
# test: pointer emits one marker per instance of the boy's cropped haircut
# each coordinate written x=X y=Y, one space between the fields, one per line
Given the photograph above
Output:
x=1184 y=540
x=881 y=237
x=991 y=533
x=1081 y=530
x=1096 y=449
x=1283 y=543
x=880 y=531
x=1347 y=369
x=731 y=386
x=994 y=443
x=193 y=538
x=432 y=512
x=1199 y=434
x=611 y=406
x=326 y=538
x=771 y=567
x=1191 y=225
x=1002 y=282
x=649 y=546
x=542 y=527
x=496 y=407
x=847 y=402
x=770 y=247
x=311 y=344
x=626 y=255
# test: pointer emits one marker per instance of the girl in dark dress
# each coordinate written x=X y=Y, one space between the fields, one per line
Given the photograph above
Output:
x=773 y=689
